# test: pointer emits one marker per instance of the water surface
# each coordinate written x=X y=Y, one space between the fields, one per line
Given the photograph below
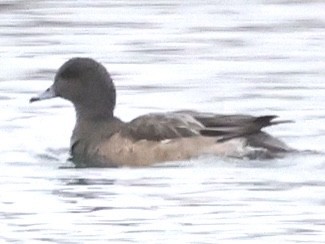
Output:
x=257 y=57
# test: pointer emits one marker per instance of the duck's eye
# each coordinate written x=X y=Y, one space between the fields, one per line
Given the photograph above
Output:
x=70 y=73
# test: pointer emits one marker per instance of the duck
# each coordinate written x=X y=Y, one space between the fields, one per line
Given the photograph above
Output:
x=100 y=139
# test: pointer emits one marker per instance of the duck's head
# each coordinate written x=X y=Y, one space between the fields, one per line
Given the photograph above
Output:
x=87 y=84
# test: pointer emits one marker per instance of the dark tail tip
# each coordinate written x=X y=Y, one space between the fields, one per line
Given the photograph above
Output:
x=34 y=99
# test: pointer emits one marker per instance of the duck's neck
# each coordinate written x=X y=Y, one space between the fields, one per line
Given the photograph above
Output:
x=84 y=113
x=93 y=125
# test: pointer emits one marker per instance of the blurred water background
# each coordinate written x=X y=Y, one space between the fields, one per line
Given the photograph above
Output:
x=257 y=57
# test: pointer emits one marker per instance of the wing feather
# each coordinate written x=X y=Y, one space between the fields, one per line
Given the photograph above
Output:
x=187 y=123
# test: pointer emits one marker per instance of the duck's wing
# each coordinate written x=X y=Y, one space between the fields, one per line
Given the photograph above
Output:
x=231 y=126
x=227 y=127
x=163 y=126
x=187 y=123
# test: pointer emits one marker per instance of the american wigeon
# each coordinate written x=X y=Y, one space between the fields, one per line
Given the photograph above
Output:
x=99 y=139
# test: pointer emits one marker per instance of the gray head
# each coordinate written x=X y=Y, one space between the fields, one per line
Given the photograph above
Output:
x=87 y=84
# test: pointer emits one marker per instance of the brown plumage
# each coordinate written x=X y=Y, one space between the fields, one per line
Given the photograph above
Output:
x=101 y=140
